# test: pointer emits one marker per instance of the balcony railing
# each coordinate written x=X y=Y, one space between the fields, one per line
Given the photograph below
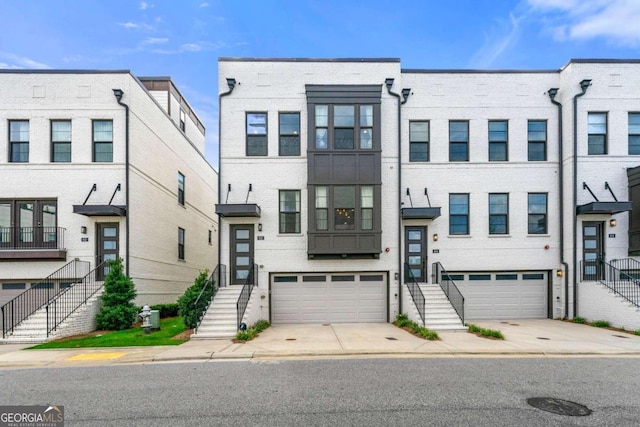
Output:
x=31 y=238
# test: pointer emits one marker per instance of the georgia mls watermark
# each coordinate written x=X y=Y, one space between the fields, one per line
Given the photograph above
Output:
x=32 y=416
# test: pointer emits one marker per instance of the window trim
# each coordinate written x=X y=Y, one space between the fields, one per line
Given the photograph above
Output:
x=11 y=142
x=183 y=120
x=248 y=136
x=94 y=142
x=54 y=143
x=505 y=142
x=280 y=134
x=181 y=189
x=546 y=214
x=466 y=159
x=427 y=142
x=605 y=147
x=506 y=215
x=629 y=134
x=181 y=243
x=545 y=142
x=298 y=212
x=467 y=215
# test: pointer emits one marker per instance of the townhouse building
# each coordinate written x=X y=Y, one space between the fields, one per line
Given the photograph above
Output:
x=352 y=190
x=98 y=165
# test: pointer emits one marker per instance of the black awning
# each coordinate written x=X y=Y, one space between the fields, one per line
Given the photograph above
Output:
x=420 y=213
x=239 y=210
x=100 y=210
x=606 y=208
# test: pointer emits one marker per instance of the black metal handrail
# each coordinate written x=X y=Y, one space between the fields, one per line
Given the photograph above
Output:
x=450 y=289
x=245 y=294
x=24 y=238
x=621 y=283
x=414 y=289
x=65 y=303
x=24 y=305
x=216 y=280
x=628 y=266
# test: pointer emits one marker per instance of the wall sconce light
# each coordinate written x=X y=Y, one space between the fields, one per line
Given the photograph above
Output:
x=435 y=237
x=613 y=222
x=118 y=94
x=560 y=273
x=260 y=227
x=83 y=229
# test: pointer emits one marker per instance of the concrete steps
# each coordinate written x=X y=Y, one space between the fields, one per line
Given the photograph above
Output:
x=220 y=320
x=439 y=313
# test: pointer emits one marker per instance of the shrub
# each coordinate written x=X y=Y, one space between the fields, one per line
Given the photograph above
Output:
x=253 y=331
x=261 y=325
x=485 y=332
x=166 y=310
x=402 y=321
x=579 y=319
x=600 y=324
x=190 y=314
x=636 y=332
x=117 y=312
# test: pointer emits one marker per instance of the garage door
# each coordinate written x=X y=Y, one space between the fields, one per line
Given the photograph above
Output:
x=509 y=295
x=329 y=298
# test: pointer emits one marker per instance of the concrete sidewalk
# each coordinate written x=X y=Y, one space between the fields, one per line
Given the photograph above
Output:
x=522 y=338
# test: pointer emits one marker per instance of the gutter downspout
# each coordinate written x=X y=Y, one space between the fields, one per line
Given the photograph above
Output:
x=552 y=94
x=126 y=145
x=584 y=85
x=220 y=96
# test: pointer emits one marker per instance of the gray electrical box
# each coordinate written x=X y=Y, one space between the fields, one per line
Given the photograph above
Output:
x=154 y=319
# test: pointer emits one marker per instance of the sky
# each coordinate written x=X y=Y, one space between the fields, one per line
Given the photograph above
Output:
x=183 y=38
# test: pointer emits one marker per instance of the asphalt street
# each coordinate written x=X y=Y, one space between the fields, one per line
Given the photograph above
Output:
x=359 y=391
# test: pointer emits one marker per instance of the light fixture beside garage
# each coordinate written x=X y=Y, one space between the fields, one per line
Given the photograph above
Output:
x=560 y=273
x=612 y=222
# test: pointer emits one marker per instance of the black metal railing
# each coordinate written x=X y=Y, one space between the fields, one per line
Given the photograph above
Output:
x=65 y=303
x=450 y=289
x=414 y=289
x=217 y=280
x=628 y=266
x=25 y=238
x=245 y=294
x=621 y=283
x=24 y=305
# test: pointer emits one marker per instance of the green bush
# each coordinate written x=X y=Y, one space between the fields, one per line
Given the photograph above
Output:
x=166 y=310
x=117 y=312
x=485 y=332
x=253 y=331
x=600 y=324
x=186 y=308
x=636 y=332
x=261 y=325
x=402 y=320
x=579 y=319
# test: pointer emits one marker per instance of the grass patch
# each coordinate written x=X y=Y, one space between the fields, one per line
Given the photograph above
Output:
x=253 y=331
x=600 y=324
x=127 y=338
x=636 y=332
x=402 y=321
x=484 y=332
x=580 y=320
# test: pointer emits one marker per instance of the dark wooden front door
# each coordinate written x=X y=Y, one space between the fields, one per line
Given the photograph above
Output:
x=415 y=253
x=108 y=246
x=241 y=252
x=592 y=250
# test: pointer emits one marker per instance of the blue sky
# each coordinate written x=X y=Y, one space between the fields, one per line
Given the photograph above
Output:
x=183 y=39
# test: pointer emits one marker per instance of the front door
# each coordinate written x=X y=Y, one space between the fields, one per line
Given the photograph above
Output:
x=415 y=253
x=592 y=250
x=241 y=253
x=108 y=244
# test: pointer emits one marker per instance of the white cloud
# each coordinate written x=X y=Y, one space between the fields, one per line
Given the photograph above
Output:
x=145 y=6
x=155 y=40
x=497 y=44
x=204 y=4
x=18 y=62
x=617 y=21
x=191 y=47
x=135 y=26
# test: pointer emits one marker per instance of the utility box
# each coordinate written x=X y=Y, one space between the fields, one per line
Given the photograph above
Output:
x=154 y=319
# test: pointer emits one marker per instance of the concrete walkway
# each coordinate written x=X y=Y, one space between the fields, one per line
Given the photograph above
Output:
x=536 y=338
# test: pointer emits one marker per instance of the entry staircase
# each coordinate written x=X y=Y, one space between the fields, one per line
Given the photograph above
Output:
x=621 y=276
x=60 y=305
x=439 y=305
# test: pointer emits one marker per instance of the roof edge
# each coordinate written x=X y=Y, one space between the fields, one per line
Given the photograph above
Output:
x=53 y=71
x=473 y=71
x=254 y=59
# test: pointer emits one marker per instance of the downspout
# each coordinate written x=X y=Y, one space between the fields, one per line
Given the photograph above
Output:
x=118 y=94
x=584 y=85
x=231 y=83
x=552 y=94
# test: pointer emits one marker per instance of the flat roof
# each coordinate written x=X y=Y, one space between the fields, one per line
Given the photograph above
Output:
x=52 y=71
x=231 y=59
x=471 y=71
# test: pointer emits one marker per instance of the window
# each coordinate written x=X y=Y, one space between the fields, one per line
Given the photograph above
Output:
x=348 y=128
x=102 y=141
x=290 y=211
x=418 y=141
x=256 y=134
x=322 y=126
x=32 y=222
x=343 y=127
x=344 y=205
x=458 y=213
x=366 y=127
x=13 y=286
x=597 y=143
x=181 y=243
x=366 y=208
x=19 y=141
x=181 y=188
x=537 y=213
x=183 y=119
x=634 y=133
x=210 y=237
x=537 y=137
x=322 y=208
x=498 y=137
x=498 y=213
x=458 y=141
x=61 y=141
x=289 y=134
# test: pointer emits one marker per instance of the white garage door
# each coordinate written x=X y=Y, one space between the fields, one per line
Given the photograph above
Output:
x=509 y=295
x=329 y=298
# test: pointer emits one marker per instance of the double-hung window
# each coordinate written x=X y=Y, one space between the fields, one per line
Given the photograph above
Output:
x=19 y=141
x=256 y=134
x=597 y=142
x=290 y=211
x=634 y=133
x=343 y=127
x=181 y=243
x=103 y=141
x=419 y=141
x=458 y=141
x=289 y=144
x=181 y=188
x=537 y=212
x=366 y=127
x=498 y=213
x=459 y=213
x=61 y=141
x=498 y=140
x=537 y=140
